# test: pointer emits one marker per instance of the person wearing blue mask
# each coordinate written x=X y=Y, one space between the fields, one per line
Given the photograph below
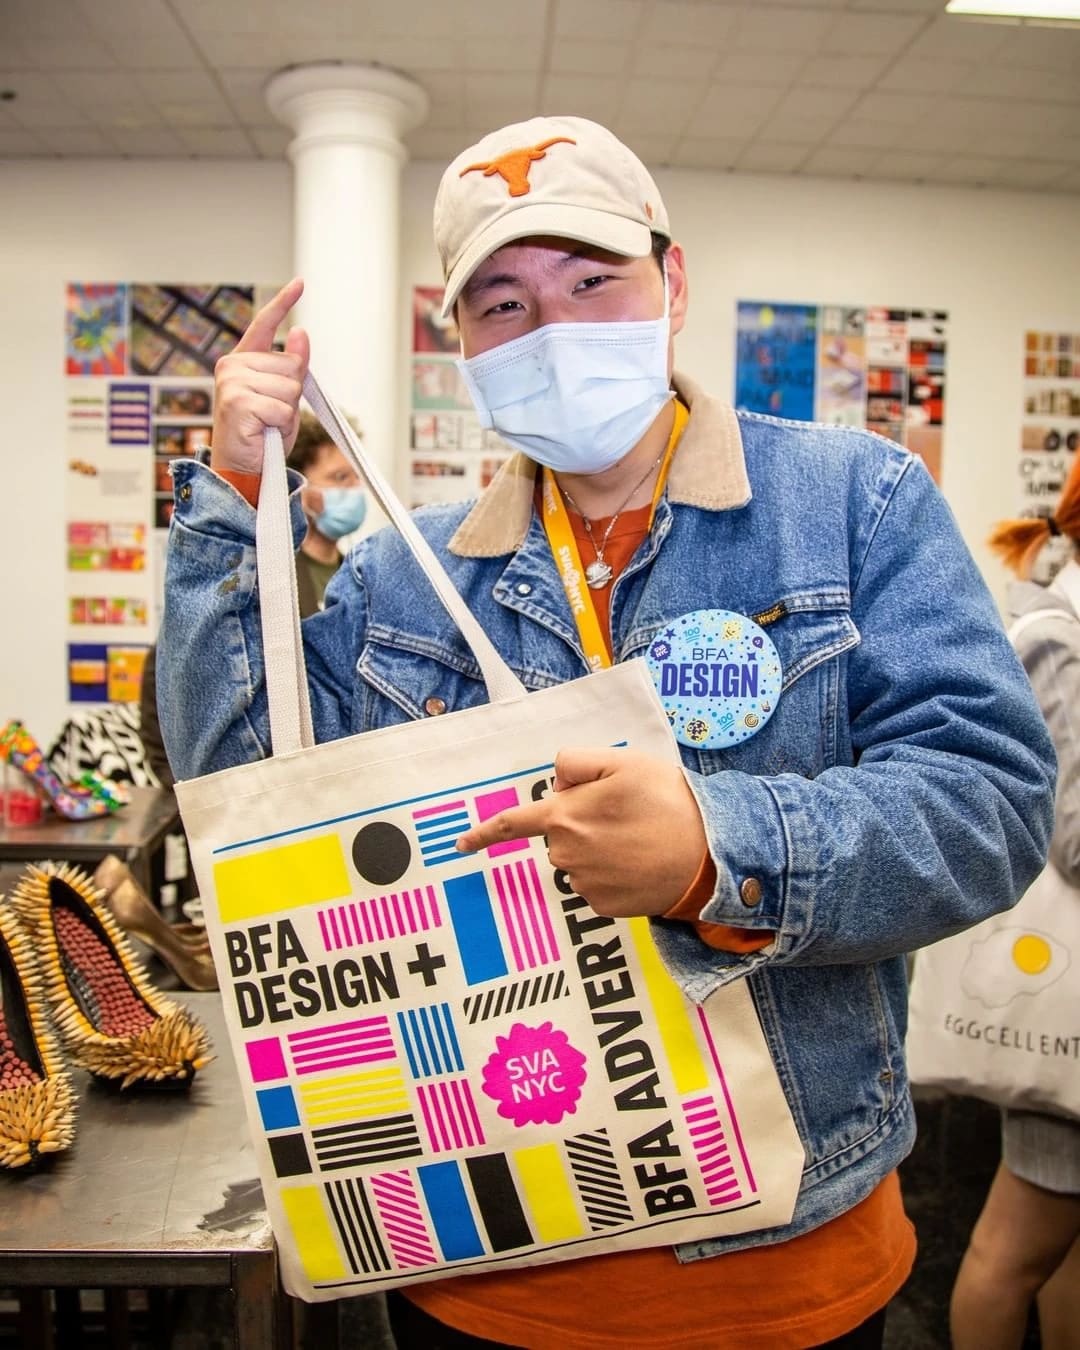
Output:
x=896 y=787
x=334 y=504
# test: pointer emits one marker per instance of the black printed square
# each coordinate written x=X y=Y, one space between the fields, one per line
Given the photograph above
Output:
x=290 y=1155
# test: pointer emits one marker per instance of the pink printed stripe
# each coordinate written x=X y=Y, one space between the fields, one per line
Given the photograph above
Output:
x=721 y=1183
x=737 y=1140
x=402 y=1219
x=450 y=1115
x=366 y=1041
x=379 y=918
x=525 y=915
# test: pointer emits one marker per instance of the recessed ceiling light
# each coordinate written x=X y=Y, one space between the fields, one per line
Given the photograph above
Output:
x=1048 y=12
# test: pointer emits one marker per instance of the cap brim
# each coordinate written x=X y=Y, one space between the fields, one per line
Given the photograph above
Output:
x=604 y=229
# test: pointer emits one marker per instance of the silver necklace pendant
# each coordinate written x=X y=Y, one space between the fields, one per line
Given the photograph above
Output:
x=598 y=574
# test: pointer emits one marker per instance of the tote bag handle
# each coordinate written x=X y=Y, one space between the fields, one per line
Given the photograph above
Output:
x=283 y=650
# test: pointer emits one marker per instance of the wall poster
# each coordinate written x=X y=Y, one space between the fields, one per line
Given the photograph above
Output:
x=1050 y=431
x=855 y=366
x=451 y=456
x=139 y=359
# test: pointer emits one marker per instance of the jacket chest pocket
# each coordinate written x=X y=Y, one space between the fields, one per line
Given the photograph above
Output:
x=805 y=733
x=397 y=684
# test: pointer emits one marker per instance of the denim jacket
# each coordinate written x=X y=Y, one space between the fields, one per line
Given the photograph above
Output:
x=902 y=789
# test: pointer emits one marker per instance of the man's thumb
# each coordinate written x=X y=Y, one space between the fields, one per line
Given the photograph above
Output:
x=582 y=765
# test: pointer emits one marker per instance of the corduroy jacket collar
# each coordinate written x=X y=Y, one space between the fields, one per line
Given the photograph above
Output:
x=709 y=472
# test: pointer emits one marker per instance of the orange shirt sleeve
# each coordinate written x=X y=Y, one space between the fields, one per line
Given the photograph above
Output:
x=247 y=484
x=721 y=937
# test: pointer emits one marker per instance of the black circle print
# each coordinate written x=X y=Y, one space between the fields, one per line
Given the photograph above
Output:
x=381 y=853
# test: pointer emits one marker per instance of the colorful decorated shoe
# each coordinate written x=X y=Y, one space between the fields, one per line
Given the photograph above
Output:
x=111 y=1019
x=37 y=1101
x=75 y=802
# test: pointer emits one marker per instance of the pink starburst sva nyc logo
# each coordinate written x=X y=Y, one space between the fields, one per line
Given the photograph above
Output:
x=535 y=1075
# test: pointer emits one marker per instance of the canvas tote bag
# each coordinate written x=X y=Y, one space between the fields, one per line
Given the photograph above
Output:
x=450 y=1063
x=995 y=1010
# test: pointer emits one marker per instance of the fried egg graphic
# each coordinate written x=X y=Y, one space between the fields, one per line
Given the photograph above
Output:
x=1012 y=961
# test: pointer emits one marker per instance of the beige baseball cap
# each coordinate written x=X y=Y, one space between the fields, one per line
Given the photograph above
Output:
x=563 y=176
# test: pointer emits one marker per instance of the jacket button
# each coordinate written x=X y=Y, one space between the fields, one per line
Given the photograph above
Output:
x=523 y=588
x=750 y=892
x=434 y=706
x=185 y=493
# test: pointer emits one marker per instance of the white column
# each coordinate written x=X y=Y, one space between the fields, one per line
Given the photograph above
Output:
x=347 y=157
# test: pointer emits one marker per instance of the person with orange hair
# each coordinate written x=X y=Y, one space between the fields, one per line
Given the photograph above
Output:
x=1030 y=1224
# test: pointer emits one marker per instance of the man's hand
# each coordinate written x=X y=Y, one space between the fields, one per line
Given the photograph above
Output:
x=623 y=825
x=256 y=387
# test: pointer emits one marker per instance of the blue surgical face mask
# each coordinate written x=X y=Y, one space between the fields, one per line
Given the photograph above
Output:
x=576 y=397
x=344 y=509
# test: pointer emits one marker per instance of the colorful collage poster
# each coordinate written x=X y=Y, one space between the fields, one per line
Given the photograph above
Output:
x=854 y=366
x=139 y=357
x=1050 y=431
x=451 y=456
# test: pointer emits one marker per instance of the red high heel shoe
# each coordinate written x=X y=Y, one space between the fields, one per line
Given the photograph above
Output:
x=73 y=800
x=37 y=1101
x=111 y=1019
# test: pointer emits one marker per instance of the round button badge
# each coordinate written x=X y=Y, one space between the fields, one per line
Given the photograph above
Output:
x=718 y=675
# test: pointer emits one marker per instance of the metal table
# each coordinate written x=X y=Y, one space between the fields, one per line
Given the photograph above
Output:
x=133 y=833
x=159 y=1189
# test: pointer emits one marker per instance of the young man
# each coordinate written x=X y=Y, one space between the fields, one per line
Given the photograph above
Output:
x=334 y=504
x=900 y=789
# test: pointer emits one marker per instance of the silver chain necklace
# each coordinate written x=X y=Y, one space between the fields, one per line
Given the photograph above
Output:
x=599 y=573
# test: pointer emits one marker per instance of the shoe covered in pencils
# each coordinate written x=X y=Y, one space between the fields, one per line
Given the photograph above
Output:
x=72 y=800
x=37 y=1100
x=111 y=1020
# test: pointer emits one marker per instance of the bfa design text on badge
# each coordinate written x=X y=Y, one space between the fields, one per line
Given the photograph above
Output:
x=708 y=675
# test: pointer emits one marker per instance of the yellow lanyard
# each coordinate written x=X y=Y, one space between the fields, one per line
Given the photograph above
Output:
x=564 y=549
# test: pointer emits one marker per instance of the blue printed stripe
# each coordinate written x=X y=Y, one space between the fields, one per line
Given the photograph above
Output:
x=474 y=927
x=448 y=1206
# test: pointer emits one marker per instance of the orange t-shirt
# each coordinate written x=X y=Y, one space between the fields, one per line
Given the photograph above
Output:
x=798 y=1293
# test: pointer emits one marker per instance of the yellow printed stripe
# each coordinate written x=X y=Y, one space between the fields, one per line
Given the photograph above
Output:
x=376 y=1094
x=548 y=1193
x=672 y=1013
x=312 y=1233
x=279 y=878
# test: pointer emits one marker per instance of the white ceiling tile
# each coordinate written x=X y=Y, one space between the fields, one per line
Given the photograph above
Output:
x=968 y=169
x=1014 y=116
x=244 y=91
x=147 y=142
x=216 y=142
x=674 y=21
x=771 y=157
x=920 y=74
x=708 y=152
x=949 y=38
x=873 y=34
x=818 y=103
x=1013 y=82
x=687 y=63
x=413 y=53
x=580 y=96
x=1065 y=148
x=747 y=66
x=176 y=86
x=784 y=30
x=32 y=114
x=66 y=52
x=662 y=106
x=30 y=86
x=480 y=118
x=795 y=130
x=499 y=54
x=900 y=6
x=906 y=165
x=1044 y=49
x=139 y=32
x=840 y=163
x=76 y=141
x=655 y=152
x=488 y=87
x=724 y=100
x=14 y=141
x=1031 y=174
x=804 y=4
x=271 y=142
x=899 y=109
x=601 y=19
x=856 y=132
x=93 y=90
x=1070 y=183
x=584 y=56
x=494 y=18
x=940 y=140
x=740 y=123
x=846 y=72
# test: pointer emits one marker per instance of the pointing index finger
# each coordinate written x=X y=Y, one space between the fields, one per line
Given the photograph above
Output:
x=520 y=822
x=259 y=335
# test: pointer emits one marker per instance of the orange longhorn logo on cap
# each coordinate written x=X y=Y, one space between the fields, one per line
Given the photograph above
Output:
x=513 y=167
